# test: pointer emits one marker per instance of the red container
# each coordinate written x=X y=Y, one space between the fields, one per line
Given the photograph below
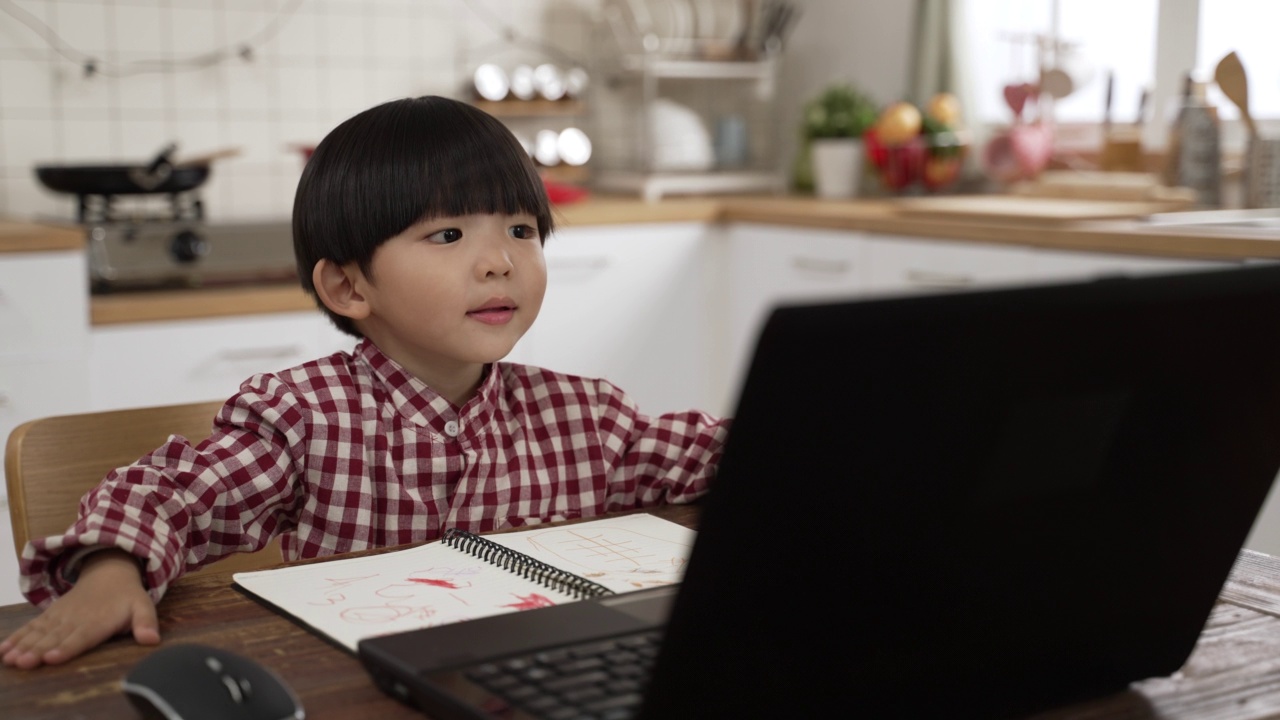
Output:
x=932 y=160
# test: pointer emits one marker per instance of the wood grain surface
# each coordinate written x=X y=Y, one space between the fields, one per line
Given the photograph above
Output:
x=1233 y=674
x=330 y=681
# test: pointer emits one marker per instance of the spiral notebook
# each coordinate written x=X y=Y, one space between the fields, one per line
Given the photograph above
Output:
x=464 y=576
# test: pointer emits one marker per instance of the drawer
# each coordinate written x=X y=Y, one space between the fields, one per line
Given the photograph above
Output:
x=897 y=265
x=1061 y=265
x=771 y=265
x=193 y=361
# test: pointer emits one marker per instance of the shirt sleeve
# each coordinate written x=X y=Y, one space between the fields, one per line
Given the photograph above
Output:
x=667 y=458
x=186 y=505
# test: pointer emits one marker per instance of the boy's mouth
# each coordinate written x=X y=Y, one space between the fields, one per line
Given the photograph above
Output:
x=494 y=312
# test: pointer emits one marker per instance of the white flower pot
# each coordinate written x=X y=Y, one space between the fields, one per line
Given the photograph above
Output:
x=837 y=166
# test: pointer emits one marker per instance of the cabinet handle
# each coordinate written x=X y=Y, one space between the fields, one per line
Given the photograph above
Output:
x=822 y=265
x=929 y=278
x=4 y=400
x=260 y=353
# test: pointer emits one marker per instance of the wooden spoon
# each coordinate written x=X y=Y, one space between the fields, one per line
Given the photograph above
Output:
x=1234 y=83
x=207 y=158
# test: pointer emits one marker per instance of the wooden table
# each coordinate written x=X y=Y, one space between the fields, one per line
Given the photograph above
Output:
x=1233 y=673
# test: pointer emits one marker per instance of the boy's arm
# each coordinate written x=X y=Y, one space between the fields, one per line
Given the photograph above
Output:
x=668 y=458
x=184 y=506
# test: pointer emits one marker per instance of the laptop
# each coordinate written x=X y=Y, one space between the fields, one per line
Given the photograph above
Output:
x=980 y=504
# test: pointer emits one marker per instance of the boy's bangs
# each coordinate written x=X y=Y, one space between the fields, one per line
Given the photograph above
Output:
x=454 y=159
x=467 y=179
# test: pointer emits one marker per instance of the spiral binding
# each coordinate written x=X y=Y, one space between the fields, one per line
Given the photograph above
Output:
x=526 y=567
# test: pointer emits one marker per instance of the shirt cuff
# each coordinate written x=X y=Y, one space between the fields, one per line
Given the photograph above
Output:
x=68 y=571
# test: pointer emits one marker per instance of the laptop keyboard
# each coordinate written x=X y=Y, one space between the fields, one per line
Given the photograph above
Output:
x=599 y=680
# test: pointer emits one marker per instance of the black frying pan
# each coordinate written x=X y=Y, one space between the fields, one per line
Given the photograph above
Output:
x=158 y=176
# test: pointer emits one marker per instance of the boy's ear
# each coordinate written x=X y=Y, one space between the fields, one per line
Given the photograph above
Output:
x=338 y=288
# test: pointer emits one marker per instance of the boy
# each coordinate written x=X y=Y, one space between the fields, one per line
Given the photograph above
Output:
x=418 y=227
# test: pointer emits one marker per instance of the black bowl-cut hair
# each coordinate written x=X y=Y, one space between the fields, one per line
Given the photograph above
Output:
x=400 y=163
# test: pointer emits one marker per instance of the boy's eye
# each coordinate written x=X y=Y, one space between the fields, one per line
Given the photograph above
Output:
x=523 y=232
x=448 y=235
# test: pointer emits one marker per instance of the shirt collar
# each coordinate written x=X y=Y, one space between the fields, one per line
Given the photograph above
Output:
x=421 y=405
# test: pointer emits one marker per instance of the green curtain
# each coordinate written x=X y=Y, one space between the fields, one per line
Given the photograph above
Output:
x=940 y=62
x=932 y=61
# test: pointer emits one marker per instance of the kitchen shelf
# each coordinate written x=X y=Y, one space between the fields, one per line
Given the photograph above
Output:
x=694 y=69
x=532 y=108
x=715 y=90
x=653 y=186
x=571 y=174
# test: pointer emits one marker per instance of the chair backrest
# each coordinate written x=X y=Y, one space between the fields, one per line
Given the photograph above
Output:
x=51 y=462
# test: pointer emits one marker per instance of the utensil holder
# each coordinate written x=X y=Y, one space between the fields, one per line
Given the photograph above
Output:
x=1122 y=151
x=1262 y=173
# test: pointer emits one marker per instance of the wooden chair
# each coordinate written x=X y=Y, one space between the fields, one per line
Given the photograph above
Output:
x=51 y=462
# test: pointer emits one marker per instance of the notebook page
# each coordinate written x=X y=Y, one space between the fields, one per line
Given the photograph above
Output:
x=420 y=587
x=435 y=584
x=625 y=553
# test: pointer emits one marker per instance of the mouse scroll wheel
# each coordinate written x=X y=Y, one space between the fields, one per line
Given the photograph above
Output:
x=234 y=688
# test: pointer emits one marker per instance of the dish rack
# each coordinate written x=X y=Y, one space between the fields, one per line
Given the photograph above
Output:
x=690 y=106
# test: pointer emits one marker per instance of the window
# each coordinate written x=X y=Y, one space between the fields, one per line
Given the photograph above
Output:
x=1249 y=28
x=1124 y=37
x=1002 y=37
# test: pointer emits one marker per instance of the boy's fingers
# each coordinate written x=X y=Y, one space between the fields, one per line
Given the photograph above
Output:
x=70 y=641
x=146 y=628
x=32 y=640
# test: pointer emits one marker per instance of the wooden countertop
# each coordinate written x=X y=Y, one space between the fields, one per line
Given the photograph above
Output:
x=1091 y=234
x=25 y=236
x=198 y=303
x=1102 y=227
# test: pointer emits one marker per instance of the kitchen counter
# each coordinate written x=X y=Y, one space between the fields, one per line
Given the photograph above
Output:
x=907 y=217
x=24 y=236
x=888 y=217
x=150 y=306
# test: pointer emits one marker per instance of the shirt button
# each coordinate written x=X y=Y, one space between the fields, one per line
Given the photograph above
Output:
x=451 y=428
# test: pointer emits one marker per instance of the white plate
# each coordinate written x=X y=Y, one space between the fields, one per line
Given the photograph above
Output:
x=719 y=19
x=673 y=24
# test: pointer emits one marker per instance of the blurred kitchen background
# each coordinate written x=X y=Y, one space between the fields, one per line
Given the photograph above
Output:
x=92 y=81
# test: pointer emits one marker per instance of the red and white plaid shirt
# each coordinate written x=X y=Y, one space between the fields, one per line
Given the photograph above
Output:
x=350 y=452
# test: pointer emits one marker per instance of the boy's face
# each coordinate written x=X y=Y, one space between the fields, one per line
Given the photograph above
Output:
x=451 y=294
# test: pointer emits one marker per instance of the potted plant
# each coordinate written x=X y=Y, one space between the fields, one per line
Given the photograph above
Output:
x=834 y=123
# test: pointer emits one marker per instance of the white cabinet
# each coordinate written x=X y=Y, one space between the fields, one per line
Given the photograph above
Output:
x=44 y=305
x=44 y=326
x=163 y=363
x=769 y=265
x=630 y=304
x=1055 y=265
x=908 y=264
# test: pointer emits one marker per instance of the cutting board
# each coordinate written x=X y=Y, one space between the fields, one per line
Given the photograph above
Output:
x=1025 y=209
x=1097 y=185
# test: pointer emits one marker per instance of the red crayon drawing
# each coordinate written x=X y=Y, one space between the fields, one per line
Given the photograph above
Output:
x=433 y=582
x=529 y=602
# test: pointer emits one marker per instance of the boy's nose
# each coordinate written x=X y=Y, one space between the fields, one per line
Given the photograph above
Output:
x=494 y=260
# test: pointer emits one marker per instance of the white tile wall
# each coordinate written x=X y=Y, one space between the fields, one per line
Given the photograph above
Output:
x=328 y=60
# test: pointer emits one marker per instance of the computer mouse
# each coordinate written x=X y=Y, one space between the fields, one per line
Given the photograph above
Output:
x=189 y=681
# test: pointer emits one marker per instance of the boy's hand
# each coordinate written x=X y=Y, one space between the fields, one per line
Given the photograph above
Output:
x=107 y=599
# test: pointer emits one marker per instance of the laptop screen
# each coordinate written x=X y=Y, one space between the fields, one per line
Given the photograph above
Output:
x=985 y=503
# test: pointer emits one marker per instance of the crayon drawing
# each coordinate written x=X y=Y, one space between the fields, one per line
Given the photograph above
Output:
x=435 y=584
x=626 y=553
